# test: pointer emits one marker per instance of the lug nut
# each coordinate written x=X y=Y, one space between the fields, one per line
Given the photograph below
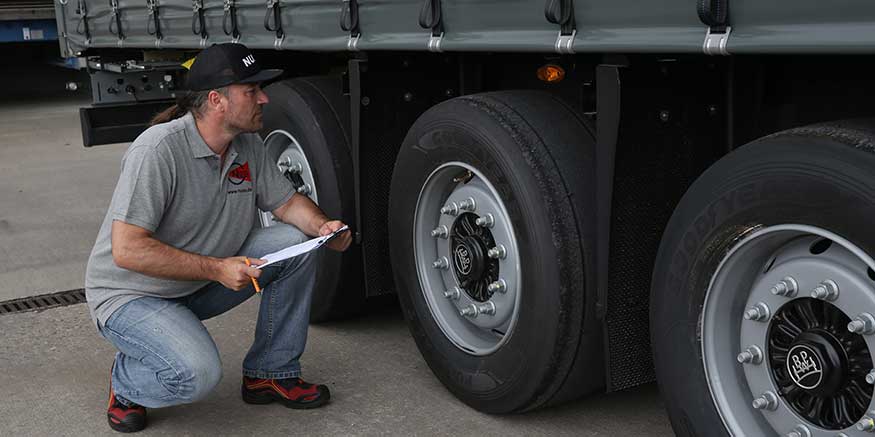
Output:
x=498 y=286
x=497 y=252
x=799 y=431
x=305 y=189
x=475 y=310
x=866 y=424
x=827 y=290
x=759 y=312
x=453 y=294
x=468 y=311
x=870 y=377
x=451 y=209
x=864 y=324
x=468 y=204
x=752 y=355
x=487 y=308
x=766 y=401
x=486 y=221
x=441 y=263
x=440 y=231
x=786 y=287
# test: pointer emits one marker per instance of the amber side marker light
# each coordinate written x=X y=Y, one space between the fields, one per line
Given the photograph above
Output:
x=551 y=73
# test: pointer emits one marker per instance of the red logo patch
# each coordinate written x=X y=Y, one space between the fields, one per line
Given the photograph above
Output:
x=239 y=173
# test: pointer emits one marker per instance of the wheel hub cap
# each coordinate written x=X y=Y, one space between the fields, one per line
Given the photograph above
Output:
x=473 y=268
x=805 y=366
x=817 y=364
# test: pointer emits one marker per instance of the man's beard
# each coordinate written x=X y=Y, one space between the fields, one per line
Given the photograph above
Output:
x=253 y=126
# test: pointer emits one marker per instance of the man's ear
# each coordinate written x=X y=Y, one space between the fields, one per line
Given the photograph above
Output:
x=215 y=100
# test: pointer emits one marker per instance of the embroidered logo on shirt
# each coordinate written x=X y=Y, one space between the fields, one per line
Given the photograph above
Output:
x=239 y=173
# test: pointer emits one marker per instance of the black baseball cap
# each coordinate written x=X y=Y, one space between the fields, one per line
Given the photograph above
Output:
x=225 y=64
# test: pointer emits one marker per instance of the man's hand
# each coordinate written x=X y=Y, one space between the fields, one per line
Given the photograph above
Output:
x=340 y=242
x=235 y=274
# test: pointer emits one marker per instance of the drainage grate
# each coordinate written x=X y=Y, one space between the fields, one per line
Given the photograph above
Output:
x=45 y=301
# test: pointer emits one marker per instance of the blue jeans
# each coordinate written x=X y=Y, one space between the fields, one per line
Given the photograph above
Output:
x=165 y=354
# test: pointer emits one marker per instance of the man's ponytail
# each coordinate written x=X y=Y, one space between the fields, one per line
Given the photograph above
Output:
x=185 y=101
x=168 y=114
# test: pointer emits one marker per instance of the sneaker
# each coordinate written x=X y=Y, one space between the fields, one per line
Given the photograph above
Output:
x=124 y=416
x=291 y=392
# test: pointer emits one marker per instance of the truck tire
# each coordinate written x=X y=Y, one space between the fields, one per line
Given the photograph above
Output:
x=762 y=268
x=507 y=321
x=306 y=131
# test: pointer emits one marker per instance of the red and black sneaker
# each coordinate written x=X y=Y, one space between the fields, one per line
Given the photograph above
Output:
x=291 y=392
x=125 y=417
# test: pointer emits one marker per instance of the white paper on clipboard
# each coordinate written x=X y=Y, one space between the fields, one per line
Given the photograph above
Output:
x=298 y=249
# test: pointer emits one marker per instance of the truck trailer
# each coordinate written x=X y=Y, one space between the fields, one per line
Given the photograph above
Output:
x=567 y=196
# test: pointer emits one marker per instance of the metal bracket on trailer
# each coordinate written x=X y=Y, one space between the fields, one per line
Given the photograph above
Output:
x=354 y=76
x=715 y=42
x=565 y=43
x=608 y=93
x=352 y=43
x=434 y=43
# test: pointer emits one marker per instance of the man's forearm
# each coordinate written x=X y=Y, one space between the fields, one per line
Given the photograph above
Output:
x=151 y=257
x=302 y=213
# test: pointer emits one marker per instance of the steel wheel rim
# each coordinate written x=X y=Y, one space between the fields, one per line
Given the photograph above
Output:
x=478 y=332
x=290 y=154
x=747 y=277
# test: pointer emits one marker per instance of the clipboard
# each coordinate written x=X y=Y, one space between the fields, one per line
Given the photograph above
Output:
x=300 y=248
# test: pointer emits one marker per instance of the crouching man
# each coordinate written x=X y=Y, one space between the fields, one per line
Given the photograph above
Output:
x=175 y=246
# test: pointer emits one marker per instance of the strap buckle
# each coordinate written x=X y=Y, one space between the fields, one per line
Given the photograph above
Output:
x=434 y=43
x=715 y=43
x=565 y=43
x=353 y=42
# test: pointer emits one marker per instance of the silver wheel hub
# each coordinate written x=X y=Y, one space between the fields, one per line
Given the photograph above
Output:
x=292 y=162
x=787 y=334
x=467 y=258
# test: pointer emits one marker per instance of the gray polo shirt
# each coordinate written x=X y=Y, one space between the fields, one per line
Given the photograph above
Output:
x=173 y=185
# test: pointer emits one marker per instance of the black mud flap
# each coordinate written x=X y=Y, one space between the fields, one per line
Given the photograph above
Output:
x=109 y=124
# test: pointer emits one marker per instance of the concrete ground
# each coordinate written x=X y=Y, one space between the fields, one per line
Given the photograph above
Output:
x=54 y=366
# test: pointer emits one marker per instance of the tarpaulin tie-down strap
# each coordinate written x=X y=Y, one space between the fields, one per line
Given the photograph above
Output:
x=561 y=12
x=430 y=17
x=274 y=13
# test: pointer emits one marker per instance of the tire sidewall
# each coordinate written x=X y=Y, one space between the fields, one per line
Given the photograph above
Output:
x=480 y=380
x=779 y=180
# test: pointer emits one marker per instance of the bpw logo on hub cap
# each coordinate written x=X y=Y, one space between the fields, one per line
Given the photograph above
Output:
x=462 y=259
x=804 y=367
